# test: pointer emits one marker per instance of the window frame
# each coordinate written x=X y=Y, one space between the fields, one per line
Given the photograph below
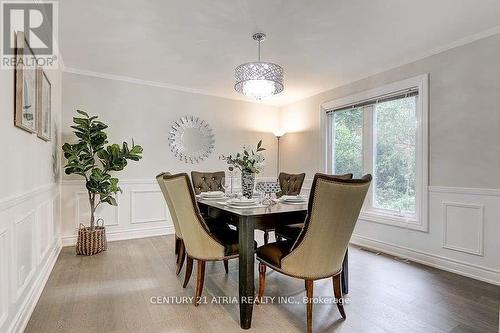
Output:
x=368 y=213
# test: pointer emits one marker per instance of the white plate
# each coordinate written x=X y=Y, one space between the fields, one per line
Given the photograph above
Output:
x=213 y=194
x=242 y=202
x=293 y=198
x=245 y=207
x=213 y=198
x=294 y=202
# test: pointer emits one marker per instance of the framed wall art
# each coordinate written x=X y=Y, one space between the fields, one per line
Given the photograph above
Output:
x=26 y=73
x=44 y=112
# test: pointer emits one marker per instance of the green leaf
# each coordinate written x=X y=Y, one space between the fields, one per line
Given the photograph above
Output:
x=136 y=150
x=83 y=113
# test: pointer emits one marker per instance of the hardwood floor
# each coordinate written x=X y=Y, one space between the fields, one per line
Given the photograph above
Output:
x=111 y=292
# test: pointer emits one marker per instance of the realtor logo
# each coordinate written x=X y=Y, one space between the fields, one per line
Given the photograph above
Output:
x=37 y=21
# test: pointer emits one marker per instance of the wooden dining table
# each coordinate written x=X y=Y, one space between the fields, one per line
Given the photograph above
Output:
x=247 y=220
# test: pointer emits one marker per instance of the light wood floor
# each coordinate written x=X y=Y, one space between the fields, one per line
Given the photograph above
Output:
x=111 y=292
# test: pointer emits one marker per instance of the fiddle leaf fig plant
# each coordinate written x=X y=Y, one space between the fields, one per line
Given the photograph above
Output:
x=91 y=158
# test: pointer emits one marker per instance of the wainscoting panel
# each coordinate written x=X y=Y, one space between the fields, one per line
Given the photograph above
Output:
x=4 y=282
x=24 y=259
x=147 y=206
x=46 y=226
x=109 y=214
x=29 y=246
x=463 y=227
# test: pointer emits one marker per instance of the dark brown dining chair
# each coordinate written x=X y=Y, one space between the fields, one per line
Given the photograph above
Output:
x=290 y=184
x=200 y=243
x=318 y=253
x=291 y=231
x=208 y=181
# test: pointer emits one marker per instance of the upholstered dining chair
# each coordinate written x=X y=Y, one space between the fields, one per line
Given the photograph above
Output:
x=290 y=184
x=200 y=243
x=179 y=244
x=208 y=181
x=291 y=231
x=334 y=207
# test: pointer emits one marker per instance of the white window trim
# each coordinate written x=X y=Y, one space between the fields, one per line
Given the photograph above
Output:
x=421 y=222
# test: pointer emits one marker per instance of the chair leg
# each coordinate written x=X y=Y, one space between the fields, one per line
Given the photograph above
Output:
x=200 y=277
x=309 y=293
x=181 y=257
x=337 y=291
x=176 y=246
x=189 y=270
x=262 y=281
x=266 y=237
x=226 y=265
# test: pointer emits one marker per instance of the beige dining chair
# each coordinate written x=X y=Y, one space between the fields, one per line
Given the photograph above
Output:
x=200 y=243
x=318 y=253
x=179 y=243
x=292 y=231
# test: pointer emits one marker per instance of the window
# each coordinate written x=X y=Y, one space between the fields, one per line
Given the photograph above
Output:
x=348 y=142
x=383 y=132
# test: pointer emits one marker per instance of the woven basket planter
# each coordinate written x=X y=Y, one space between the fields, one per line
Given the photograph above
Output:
x=91 y=240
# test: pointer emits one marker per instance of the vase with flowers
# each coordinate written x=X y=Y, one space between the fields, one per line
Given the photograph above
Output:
x=250 y=162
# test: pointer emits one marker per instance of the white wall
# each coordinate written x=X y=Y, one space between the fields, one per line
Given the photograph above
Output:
x=145 y=113
x=464 y=159
x=29 y=207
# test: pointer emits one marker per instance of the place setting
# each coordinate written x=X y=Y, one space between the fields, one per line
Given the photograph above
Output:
x=244 y=203
x=212 y=195
x=293 y=199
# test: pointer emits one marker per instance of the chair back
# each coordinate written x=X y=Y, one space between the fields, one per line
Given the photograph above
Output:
x=290 y=184
x=199 y=242
x=159 y=179
x=334 y=207
x=208 y=181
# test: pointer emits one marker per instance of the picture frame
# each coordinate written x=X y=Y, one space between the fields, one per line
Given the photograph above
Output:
x=25 y=77
x=44 y=109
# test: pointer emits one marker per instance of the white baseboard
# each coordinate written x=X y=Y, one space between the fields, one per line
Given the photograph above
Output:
x=23 y=315
x=126 y=234
x=451 y=265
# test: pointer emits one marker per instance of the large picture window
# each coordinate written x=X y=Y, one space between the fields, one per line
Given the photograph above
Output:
x=384 y=133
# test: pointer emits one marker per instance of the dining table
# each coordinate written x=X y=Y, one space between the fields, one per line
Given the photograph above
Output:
x=247 y=220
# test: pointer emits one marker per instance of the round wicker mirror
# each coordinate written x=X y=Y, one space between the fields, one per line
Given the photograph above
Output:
x=191 y=139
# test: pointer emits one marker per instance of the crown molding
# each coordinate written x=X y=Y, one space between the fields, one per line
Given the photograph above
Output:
x=158 y=84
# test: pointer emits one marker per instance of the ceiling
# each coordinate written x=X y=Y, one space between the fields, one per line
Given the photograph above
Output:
x=196 y=44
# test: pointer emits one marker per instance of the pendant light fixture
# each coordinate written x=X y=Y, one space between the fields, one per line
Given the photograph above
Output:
x=259 y=79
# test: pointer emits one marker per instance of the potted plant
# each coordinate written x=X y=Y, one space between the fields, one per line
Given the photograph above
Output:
x=249 y=162
x=91 y=158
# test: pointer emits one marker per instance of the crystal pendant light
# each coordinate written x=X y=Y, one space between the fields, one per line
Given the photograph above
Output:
x=258 y=79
